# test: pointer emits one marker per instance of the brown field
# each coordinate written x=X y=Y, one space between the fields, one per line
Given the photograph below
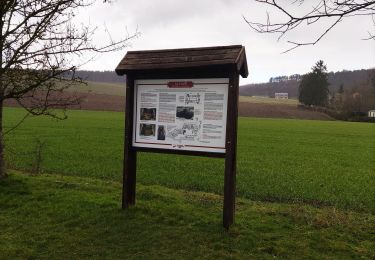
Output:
x=279 y=111
x=247 y=107
x=92 y=102
x=267 y=100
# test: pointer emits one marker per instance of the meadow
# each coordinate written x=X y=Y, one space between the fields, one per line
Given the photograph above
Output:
x=64 y=217
x=320 y=163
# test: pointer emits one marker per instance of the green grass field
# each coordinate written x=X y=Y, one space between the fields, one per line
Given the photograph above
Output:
x=64 y=217
x=315 y=162
x=306 y=189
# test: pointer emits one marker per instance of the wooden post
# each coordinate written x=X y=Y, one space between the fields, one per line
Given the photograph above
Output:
x=231 y=152
x=130 y=155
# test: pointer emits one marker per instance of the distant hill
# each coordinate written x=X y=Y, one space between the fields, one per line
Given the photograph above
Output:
x=287 y=84
x=100 y=76
x=290 y=84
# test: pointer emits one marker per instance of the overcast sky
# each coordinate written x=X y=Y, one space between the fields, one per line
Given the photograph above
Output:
x=197 y=23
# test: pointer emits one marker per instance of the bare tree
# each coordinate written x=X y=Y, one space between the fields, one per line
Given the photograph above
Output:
x=332 y=10
x=41 y=48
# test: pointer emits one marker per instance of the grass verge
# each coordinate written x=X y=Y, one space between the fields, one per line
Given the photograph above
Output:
x=54 y=216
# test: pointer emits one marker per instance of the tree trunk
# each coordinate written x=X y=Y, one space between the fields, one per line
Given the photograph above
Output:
x=2 y=161
x=3 y=173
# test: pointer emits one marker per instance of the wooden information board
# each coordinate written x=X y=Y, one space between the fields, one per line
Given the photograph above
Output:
x=183 y=101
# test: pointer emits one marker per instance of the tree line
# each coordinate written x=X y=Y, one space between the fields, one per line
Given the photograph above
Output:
x=347 y=104
x=294 y=77
x=346 y=78
x=100 y=76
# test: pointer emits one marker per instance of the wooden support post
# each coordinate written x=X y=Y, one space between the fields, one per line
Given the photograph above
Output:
x=231 y=152
x=130 y=155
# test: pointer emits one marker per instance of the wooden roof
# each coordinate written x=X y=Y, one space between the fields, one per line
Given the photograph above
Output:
x=185 y=58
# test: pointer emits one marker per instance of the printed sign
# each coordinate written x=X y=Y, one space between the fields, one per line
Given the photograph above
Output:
x=181 y=114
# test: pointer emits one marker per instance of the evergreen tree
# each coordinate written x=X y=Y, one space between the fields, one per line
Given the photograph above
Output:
x=313 y=89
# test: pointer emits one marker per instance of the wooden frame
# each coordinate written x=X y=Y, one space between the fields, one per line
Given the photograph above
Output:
x=203 y=70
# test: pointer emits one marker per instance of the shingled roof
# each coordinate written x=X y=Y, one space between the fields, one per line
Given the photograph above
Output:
x=184 y=58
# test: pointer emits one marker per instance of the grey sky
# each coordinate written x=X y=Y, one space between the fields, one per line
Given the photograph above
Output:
x=195 y=23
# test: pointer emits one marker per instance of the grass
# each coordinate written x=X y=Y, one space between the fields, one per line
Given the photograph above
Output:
x=267 y=100
x=279 y=160
x=62 y=217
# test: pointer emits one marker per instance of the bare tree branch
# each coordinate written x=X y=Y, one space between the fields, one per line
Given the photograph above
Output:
x=335 y=10
x=371 y=35
x=17 y=124
x=40 y=44
x=41 y=48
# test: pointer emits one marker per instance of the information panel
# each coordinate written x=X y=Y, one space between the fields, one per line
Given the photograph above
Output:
x=180 y=114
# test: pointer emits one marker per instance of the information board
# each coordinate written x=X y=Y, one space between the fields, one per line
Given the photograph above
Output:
x=181 y=114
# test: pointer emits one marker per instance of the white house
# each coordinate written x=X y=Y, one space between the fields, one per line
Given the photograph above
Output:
x=281 y=95
x=371 y=113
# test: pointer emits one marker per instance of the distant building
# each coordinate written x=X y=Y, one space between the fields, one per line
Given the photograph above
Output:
x=371 y=113
x=281 y=95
